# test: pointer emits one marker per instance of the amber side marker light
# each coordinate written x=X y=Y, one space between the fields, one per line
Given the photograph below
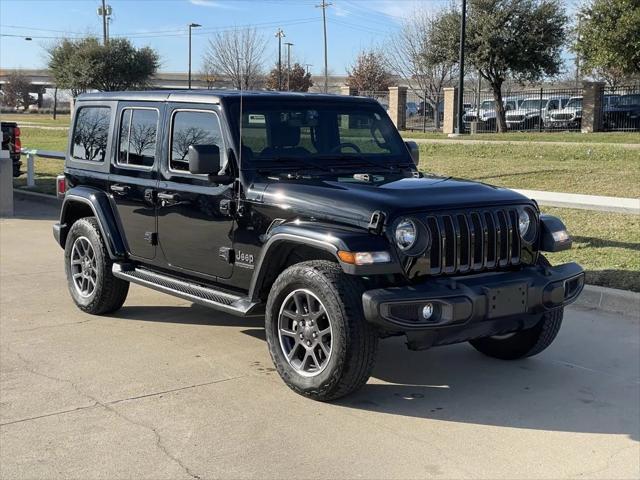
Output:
x=363 y=258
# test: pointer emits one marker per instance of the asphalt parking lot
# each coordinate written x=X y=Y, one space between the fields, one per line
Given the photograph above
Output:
x=166 y=389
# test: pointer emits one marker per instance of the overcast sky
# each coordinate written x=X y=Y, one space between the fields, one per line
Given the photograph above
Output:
x=161 y=24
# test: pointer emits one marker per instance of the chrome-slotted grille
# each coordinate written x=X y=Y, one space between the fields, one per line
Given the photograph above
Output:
x=473 y=241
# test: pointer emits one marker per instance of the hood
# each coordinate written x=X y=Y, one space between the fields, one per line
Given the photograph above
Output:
x=523 y=111
x=354 y=203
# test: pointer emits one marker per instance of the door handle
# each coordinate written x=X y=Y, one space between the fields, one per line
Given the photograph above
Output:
x=168 y=196
x=119 y=188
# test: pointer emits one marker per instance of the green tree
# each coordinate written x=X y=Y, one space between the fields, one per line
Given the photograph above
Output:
x=522 y=39
x=86 y=64
x=369 y=73
x=608 y=39
x=299 y=80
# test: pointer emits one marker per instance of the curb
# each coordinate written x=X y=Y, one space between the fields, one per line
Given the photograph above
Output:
x=610 y=300
x=20 y=194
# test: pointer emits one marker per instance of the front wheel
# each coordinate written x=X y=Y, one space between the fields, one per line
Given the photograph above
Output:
x=524 y=343
x=319 y=341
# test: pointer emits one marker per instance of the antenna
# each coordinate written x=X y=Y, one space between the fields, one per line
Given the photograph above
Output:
x=240 y=116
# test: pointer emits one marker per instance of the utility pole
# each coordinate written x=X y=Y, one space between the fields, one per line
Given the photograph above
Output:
x=289 y=45
x=461 y=79
x=306 y=66
x=324 y=5
x=105 y=12
x=280 y=34
x=191 y=25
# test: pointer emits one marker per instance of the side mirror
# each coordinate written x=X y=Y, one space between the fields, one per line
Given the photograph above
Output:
x=204 y=159
x=414 y=151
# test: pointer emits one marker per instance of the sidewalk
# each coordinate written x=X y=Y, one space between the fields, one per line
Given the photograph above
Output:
x=466 y=141
x=584 y=202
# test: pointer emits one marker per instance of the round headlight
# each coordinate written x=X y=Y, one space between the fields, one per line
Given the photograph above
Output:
x=526 y=225
x=406 y=234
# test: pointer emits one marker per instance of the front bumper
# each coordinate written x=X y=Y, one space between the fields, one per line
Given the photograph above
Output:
x=473 y=306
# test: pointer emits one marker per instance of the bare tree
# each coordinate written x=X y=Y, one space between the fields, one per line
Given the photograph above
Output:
x=239 y=55
x=369 y=72
x=424 y=56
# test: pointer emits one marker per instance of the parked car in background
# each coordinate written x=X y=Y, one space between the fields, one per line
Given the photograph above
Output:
x=412 y=109
x=486 y=114
x=533 y=112
x=568 y=117
x=11 y=142
x=623 y=113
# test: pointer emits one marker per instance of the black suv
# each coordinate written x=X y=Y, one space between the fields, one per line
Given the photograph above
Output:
x=309 y=210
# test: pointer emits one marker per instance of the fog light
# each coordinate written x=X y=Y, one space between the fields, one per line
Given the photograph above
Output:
x=427 y=311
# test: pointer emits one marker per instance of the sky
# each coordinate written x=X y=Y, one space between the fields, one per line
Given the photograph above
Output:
x=352 y=26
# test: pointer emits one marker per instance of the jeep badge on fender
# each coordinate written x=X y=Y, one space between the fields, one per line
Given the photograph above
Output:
x=308 y=210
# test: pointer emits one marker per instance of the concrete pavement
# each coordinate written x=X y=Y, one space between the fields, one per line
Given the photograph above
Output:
x=165 y=389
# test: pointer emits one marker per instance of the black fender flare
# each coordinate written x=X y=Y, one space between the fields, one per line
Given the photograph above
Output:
x=100 y=204
x=325 y=237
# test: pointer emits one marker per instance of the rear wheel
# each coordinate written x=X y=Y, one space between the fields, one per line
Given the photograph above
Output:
x=319 y=341
x=93 y=287
x=524 y=343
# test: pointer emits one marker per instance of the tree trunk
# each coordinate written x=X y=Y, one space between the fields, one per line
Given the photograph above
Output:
x=501 y=122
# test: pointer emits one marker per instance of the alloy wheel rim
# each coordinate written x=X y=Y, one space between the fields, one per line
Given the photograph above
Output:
x=84 y=270
x=305 y=332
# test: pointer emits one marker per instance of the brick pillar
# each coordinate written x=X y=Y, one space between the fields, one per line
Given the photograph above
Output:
x=347 y=90
x=450 y=110
x=592 y=96
x=398 y=106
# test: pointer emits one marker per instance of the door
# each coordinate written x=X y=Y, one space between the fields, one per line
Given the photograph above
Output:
x=134 y=177
x=194 y=226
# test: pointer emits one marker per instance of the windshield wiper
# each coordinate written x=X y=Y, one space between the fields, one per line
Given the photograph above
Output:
x=297 y=160
x=355 y=161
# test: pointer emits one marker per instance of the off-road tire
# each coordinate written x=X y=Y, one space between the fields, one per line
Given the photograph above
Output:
x=110 y=292
x=524 y=343
x=354 y=340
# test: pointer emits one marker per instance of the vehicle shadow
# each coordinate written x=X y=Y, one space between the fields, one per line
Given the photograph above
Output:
x=458 y=384
x=596 y=242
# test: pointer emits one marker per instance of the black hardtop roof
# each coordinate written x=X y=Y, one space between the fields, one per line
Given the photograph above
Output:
x=210 y=96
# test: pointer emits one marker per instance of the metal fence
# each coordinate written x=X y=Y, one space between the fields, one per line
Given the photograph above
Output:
x=542 y=109
x=621 y=109
x=425 y=111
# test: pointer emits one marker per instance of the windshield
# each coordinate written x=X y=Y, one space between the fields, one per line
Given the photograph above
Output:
x=533 y=104
x=487 y=105
x=316 y=132
x=574 y=103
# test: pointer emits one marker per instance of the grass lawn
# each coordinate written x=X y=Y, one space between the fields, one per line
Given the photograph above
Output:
x=607 y=245
x=589 y=169
x=35 y=118
x=574 y=137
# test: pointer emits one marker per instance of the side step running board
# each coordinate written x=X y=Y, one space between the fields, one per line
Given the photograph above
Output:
x=195 y=293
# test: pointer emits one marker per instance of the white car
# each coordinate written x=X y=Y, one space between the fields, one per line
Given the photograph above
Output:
x=486 y=114
x=568 y=117
x=534 y=112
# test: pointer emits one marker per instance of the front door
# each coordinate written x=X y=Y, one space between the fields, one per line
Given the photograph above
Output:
x=194 y=232
x=134 y=176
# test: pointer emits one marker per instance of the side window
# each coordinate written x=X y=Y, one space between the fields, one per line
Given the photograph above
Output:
x=91 y=133
x=192 y=128
x=138 y=132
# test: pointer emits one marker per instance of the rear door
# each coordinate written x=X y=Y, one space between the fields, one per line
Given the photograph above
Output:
x=134 y=175
x=195 y=233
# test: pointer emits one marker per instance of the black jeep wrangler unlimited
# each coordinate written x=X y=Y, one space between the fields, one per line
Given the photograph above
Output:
x=309 y=210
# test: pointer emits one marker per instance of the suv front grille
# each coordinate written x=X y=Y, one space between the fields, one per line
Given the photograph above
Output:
x=515 y=118
x=473 y=241
x=562 y=116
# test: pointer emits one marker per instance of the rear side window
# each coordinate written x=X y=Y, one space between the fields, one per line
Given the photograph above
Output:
x=192 y=128
x=91 y=133
x=138 y=137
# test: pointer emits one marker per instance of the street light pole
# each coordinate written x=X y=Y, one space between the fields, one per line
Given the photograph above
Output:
x=191 y=25
x=463 y=21
x=280 y=34
x=289 y=45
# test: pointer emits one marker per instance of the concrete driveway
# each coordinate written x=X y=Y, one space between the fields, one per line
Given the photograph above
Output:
x=165 y=389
